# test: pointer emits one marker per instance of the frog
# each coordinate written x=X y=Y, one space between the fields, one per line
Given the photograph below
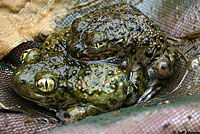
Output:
x=107 y=59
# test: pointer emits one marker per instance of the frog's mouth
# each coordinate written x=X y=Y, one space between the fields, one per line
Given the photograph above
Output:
x=22 y=88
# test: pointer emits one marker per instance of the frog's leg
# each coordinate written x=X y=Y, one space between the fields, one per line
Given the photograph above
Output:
x=190 y=36
x=154 y=86
x=76 y=113
x=176 y=41
x=137 y=84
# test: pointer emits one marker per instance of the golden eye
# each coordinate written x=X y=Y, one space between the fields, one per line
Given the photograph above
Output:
x=113 y=86
x=74 y=72
x=45 y=84
x=98 y=45
x=24 y=54
x=110 y=72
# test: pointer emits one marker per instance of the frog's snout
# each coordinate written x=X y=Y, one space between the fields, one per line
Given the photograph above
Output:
x=22 y=82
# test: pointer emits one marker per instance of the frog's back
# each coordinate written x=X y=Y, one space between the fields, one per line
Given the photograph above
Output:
x=118 y=31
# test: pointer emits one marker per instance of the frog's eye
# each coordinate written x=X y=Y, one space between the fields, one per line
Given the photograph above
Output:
x=45 y=84
x=30 y=55
x=24 y=54
x=99 y=45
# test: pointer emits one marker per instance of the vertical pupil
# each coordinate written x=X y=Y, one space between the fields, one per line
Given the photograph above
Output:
x=46 y=84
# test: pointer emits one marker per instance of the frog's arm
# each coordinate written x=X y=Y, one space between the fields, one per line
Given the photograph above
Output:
x=154 y=86
x=76 y=113
x=137 y=84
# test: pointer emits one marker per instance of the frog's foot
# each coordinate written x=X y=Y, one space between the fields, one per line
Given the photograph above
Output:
x=152 y=90
x=148 y=94
x=76 y=113
x=182 y=54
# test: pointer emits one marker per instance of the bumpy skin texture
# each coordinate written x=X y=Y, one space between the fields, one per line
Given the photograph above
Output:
x=105 y=60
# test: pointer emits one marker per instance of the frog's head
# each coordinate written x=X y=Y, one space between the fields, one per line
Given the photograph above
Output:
x=97 y=38
x=36 y=81
x=163 y=66
x=161 y=69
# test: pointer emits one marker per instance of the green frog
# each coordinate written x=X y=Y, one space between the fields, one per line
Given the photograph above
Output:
x=108 y=59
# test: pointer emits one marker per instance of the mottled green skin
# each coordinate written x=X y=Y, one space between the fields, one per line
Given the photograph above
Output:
x=90 y=78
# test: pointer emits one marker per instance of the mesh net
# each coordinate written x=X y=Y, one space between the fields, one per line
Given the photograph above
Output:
x=171 y=111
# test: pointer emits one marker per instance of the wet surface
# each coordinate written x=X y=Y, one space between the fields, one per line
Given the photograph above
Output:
x=175 y=18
